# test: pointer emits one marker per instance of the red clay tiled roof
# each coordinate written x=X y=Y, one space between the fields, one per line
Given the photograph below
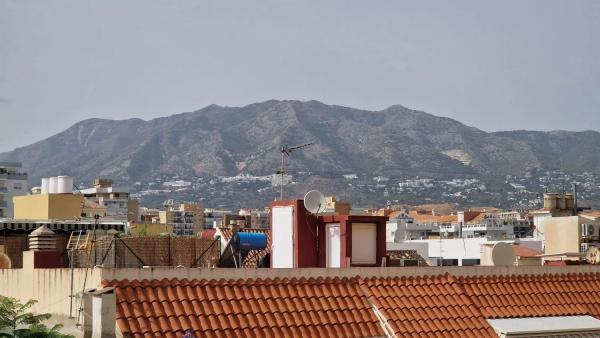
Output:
x=208 y=233
x=321 y=307
x=429 y=218
x=590 y=213
x=535 y=296
x=523 y=251
x=433 y=306
x=425 y=306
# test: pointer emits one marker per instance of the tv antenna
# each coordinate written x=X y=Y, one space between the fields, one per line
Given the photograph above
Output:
x=287 y=151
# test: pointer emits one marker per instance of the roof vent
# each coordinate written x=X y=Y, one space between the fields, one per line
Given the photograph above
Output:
x=42 y=239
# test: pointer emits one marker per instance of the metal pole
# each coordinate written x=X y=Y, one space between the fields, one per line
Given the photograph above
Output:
x=282 y=173
x=71 y=296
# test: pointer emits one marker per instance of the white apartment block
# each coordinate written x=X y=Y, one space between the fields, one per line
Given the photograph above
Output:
x=13 y=182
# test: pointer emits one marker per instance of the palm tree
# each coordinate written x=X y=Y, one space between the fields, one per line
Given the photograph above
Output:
x=15 y=321
x=41 y=331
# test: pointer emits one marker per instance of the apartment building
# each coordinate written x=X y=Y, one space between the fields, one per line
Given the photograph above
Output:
x=187 y=219
x=116 y=201
x=13 y=182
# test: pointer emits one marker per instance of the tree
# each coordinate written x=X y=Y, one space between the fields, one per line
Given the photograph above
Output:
x=41 y=331
x=15 y=321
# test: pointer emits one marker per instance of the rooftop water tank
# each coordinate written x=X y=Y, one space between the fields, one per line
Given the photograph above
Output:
x=65 y=185
x=561 y=203
x=550 y=201
x=53 y=185
x=45 y=186
x=250 y=240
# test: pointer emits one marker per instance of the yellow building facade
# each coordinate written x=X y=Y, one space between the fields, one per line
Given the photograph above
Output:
x=53 y=206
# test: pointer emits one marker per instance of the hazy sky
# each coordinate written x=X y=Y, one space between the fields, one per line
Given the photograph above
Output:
x=494 y=65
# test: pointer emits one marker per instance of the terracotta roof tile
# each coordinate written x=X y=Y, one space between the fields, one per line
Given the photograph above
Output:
x=330 y=307
x=425 y=306
x=430 y=306
x=523 y=251
x=533 y=296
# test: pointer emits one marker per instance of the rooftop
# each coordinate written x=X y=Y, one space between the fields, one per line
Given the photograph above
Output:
x=354 y=302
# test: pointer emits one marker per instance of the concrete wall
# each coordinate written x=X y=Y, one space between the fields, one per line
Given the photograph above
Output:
x=562 y=235
x=50 y=287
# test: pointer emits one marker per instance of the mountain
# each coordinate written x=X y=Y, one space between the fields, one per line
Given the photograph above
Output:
x=228 y=141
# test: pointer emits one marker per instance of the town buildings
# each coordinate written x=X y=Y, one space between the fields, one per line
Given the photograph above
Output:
x=187 y=219
x=13 y=182
x=115 y=200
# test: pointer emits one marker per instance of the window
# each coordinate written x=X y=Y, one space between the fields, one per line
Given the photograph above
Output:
x=364 y=244
x=18 y=186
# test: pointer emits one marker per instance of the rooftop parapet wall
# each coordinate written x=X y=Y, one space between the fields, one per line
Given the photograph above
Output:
x=50 y=287
x=194 y=273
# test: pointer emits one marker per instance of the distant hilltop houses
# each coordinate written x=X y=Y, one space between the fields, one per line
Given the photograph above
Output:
x=98 y=257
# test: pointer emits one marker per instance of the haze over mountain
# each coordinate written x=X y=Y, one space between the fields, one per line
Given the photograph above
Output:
x=227 y=141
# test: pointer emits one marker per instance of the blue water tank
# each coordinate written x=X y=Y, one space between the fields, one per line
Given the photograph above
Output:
x=250 y=240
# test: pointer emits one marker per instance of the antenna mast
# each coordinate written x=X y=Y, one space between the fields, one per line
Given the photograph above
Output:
x=287 y=151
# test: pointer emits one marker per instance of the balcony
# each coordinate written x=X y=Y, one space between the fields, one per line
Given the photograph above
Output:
x=3 y=190
x=3 y=204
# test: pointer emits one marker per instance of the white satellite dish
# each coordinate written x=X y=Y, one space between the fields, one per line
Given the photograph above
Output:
x=314 y=201
x=503 y=254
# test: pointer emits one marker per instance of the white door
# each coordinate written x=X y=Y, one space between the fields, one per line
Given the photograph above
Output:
x=364 y=243
x=333 y=245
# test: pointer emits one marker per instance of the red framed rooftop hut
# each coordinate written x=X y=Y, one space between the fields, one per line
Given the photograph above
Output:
x=299 y=240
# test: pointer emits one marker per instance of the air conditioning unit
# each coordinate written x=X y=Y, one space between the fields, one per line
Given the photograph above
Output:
x=587 y=230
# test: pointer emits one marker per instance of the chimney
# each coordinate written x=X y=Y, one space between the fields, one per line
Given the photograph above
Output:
x=99 y=312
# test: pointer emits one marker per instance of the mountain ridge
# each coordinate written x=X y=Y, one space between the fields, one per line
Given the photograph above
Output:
x=227 y=141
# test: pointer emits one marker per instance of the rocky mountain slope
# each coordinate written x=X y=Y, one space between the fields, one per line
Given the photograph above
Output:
x=227 y=141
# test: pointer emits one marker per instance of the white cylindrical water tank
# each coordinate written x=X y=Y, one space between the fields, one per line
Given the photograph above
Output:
x=45 y=186
x=65 y=185
x=52 y=185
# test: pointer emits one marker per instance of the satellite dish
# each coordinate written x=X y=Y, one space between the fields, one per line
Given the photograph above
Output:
x=503 y=254
x=314 y=201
